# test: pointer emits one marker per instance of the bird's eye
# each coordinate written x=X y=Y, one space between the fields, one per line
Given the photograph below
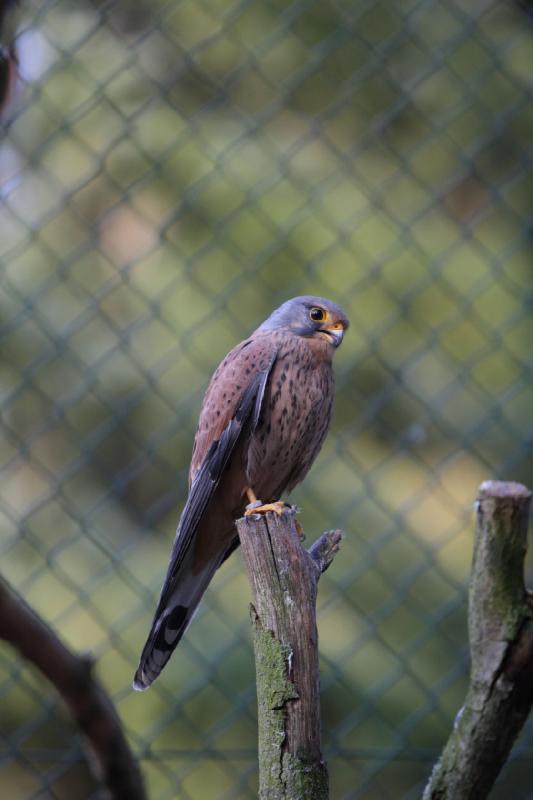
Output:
x=317 y=315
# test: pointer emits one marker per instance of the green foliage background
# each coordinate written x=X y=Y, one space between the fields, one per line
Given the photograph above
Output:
x=170 y=173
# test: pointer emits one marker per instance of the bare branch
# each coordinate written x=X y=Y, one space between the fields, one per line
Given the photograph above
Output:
x=500 y=621
x=324 y=550
x=72 y=676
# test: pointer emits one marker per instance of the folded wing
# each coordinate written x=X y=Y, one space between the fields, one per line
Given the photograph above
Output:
x=184 y=586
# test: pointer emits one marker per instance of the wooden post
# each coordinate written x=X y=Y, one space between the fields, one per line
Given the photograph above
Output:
x=283 y=577
x=500 y=622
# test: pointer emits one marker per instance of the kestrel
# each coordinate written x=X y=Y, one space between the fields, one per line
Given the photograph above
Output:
x=263 y=420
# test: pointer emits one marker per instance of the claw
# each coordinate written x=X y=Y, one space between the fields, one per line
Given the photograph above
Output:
x=262 y=508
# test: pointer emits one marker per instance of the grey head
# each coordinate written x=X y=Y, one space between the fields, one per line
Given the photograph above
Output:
x=309 y=316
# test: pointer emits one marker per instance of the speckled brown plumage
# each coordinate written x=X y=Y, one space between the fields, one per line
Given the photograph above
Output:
x=263 y=420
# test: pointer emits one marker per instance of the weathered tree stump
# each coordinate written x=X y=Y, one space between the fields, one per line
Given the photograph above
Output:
x=500 y=623
x=283 y=578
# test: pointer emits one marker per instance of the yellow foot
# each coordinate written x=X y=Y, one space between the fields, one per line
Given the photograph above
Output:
x=258 y=507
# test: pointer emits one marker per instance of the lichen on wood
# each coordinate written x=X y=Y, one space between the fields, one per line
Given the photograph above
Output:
x=283 y=577
x=500 y=624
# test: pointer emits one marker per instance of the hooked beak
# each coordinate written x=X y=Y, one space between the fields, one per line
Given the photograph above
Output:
x=335 y=332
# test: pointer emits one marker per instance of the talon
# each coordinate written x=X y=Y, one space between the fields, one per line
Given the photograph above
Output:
x=250 y=508
x=258 y=507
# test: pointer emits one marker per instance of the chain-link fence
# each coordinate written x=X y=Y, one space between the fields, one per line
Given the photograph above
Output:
x=172 y=171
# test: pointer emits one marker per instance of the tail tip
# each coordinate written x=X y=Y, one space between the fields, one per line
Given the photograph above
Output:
x=140 y=684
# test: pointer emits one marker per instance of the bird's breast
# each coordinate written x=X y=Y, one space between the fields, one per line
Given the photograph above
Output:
x=294 y=420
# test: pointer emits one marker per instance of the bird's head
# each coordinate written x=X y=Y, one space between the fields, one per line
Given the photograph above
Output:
x=308 y=316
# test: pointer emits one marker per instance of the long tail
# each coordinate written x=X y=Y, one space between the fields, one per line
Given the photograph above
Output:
x=173 y=615
x=203 y=538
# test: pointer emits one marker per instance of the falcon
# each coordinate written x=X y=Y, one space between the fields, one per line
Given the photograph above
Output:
x=263 y=420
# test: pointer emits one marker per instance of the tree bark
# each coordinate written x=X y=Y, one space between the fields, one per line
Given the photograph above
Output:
x=500 y=622
x=72 y=676
x=283 y=577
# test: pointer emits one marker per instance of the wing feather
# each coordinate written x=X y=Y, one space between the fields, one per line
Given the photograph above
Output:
x=208 y=476
x=172 y=616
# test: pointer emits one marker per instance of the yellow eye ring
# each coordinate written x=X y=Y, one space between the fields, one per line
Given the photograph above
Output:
x=317 y=314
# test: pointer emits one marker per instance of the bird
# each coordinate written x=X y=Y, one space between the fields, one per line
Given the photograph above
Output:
x=263 y=420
